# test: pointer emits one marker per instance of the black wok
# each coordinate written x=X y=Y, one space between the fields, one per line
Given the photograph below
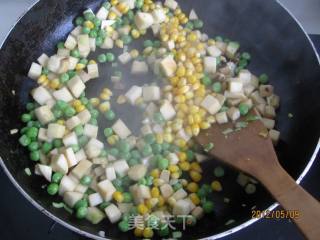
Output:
x=278 y=46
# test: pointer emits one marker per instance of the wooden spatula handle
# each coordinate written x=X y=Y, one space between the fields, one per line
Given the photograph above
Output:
x=291 y=196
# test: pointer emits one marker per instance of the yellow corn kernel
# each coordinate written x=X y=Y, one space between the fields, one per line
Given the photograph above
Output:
x=121 y=99
x=80 y=108
x=157 y=182
x=195 y=129
x=122 y=7
x=199 y=68
x=205 y=125
x=202 y=112
x=181 y=71
x=173 y=168
x=184 y=20
x=195 y=176
x=119 y=43
x=80 y=66
x=107 y=91
x=192 y=37
x=192 y=79
x=189 y=95
x=155 y=193
x=190 y=119
x=194 y=198
x=177 y=11
x=60 y=122
x=164 y=37
x=138 y=231
x=112 y=15
x=42 y=79
x=197 y=118
x=148 y=233
x=216 y=186
x=54 y=84
x=193 y=187
x=94 y=101
x=143 y=31
x=105 y=106
x=159 y=138
x=161 y=201
x=135 y=33
x=114 y=2
x=113 y=139
x=182 y=156
x=196 y=167
x=167 y=137
x=145 y=8
x=180 y=114
x=196 y=85
x=118 y=196
x=188 y=130
x=211 y=42
x=88 y=24
x=92 y=62
x=104 y=96
x=211 y=119
x=76 y=103
x=134 y=53
x=175 y=175
x=142 y=209
x=155 y=173
x=180 y=99
x=184 y=166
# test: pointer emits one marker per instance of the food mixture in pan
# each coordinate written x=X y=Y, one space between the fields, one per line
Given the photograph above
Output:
x=155 y=174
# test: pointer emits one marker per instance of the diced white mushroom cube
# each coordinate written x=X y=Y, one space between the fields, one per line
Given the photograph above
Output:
x=72 y=62
x=55 y=131
x=84 y=116
x=173 y=158
x=168 y=66
x=85 y=77
x=166 y=190
x=102 y=13
x=180 y=194
x=70 y=139
x=274 y=135
x=110 y=173
x=45 y=171
x=143 y=20
x=42 y=135
x=44 y=114
x=182 y=134
x=269 y=112
x=133 y=94
x=235 y=87
x=59 y=163
x=139 y=67
x=63 y=94
x=71 y=157
x=121 y=167
x=125 y=57
x=83 y=44
x=151 y=93
x=41 y=95
x=245 y=76
x=107 y=43
x=167 y=110
x=221 y=117
x=93 y=70
x=72 y=122
x=193 y=15
x=172 y=4
x=113 y=213
x=95 y=199
x=158 y=15
x=233 y=113
x=71 y=198
x=181 y=207
x=93 y=148
x=197 y=212
x=80 y=155
x=35 y=71
x=54 y=63
x=71 y=42
x=66 y=185
x=210 y=64
x=90 y=130
x=165 y=176
x=76 y=86
x=120 y=128
x=106 y=189
x=211 y=104
x=43 y=60
x=268 y=123
x=81 y=169
x=214 y=51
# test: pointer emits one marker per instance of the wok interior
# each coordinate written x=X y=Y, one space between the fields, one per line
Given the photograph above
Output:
x=277 y=45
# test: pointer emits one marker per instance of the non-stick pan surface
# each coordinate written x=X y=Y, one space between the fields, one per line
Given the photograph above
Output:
x=278 y=46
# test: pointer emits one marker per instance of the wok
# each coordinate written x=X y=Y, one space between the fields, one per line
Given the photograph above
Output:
x=278 y=46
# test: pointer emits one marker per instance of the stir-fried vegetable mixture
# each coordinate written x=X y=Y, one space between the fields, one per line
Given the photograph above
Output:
x=156 y=173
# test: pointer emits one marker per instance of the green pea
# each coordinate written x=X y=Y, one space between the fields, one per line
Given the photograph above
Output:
x=148 y=43
x=135 y=154
x=24 y=140
x=208 y=206
x=86 y=180
x=93 y=33
x=69 y=112
x=33 y=146
x=127 y=39
x=206 y=80
x=127 y=197
x=35 y=155
x=56 y=177
x=106 y=5
x=30 y=106
x=57 y=143
x=177 y=186
x=45 y=71
x=46 y=147
x=156 y=44
x=133 y=161
x=110 y=115
x=78 y=130
x=201 y=193
x=243 y=63
x=146 y=150
x=164 y=230
x=102 y=58
x=130 y=15
x=117 y=182
x=26 y=117
x=83 y=140
x=102 y=33
x=89 y=16
x=32 y=132
x=139 y=4
x=53 y=189
x=94 y=113
x=97 y=22
x=125 y=155
x=189 y=25
x=71 y=73
x=81 y=203
x=103 y=153
x=158 y=118
x=190 y=155
x=150 y=138
x=93 y=121
x=60 y=45
x=84 y=100
x=217 y=87
x=246 y=56
x=75 y=53
x=197 y=24
x=149 y=180
x=263 y=78
x=218 y=172
x=108 y=132
x=64 y=78
x=142 y=181
x=123 y=226
x=110 y=57
x=61 y=105
x=83 y=61
x=163 y=163
x=123 y=146
x=99 y=41
x=57 y=113
x=156 y=148
x=243 y=109
x=81 y=212
x=79 y=21
x=165 y=146
x=114 y=152
x=75 y=147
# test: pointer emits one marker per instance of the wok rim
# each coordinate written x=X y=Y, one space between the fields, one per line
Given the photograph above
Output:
x=215 y=236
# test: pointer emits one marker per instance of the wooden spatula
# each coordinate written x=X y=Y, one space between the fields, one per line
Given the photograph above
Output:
x=254 y=154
